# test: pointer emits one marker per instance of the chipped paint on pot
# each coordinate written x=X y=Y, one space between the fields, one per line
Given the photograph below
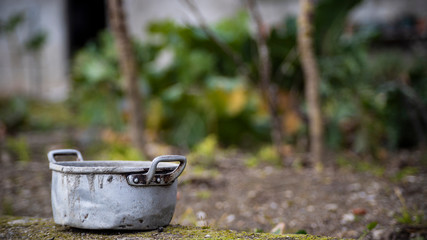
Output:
x=99 y=194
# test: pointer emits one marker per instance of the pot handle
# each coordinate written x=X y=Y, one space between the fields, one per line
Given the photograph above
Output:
x=167 y=158
x=65 y=152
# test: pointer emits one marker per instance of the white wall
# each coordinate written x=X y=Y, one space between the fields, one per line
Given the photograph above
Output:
x=141 y=12
x=388 y=10
x=18 y=68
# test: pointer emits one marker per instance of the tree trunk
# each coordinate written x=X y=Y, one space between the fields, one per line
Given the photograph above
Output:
x=129 y=69
x=268 y=88
x=312 y=80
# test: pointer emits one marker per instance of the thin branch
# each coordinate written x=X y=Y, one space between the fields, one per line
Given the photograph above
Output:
x=128 y=67
x=242 y=68
x=312 y=80
x=269 y=89
x=285 y=64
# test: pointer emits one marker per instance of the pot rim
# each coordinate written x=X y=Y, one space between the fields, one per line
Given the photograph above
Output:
x=105 y=167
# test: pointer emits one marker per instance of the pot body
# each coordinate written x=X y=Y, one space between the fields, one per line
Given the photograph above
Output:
x=133 y=195
x=107 y=201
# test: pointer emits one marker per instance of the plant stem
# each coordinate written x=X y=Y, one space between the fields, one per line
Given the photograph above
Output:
x=268 y=88
x=312 y=80
x=129 y=69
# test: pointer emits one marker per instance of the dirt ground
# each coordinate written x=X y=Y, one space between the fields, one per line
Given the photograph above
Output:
x=336 y=202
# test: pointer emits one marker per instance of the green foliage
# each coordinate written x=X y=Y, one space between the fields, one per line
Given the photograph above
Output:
x=204 y=194
x=7 y=206
x=47 y=115
x=410 y=217
x=119 y=151
x=18 y=146
x=12 y=23
x=403 y=173
x=192 y=89
x=205 y=152
x=36 y=41
x=362 y=92
x=14 y=113
x=330 y=20
x=20 y=114
x=369 y=228
x=96 y=84
x=266 y=154
x=361 y=166
x=371 y=225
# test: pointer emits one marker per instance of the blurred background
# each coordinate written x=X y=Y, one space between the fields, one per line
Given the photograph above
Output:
x=203 y=94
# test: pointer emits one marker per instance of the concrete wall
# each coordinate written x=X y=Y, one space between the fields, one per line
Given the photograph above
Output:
x=142 y=12
x=19 y=69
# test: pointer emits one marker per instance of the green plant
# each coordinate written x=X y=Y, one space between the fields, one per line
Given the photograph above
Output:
x=408 y=215
x=36 y=41
x=368 y=229
x=204 y=153
x=18 y=146
x=47 y=115
x=194 y=90
x=7 y=206
x=14 y=113
x=194 y=94
x=12 y=23
x=361 y=165
x=266 y=154
x=118 y=150
x=204 y=194
x=402 y=173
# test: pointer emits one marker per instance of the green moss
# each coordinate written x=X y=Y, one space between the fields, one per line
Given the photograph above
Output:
x=39 y=228
x=7 y=206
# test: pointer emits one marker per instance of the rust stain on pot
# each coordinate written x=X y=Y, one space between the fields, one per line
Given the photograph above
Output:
x=90 y=180
x=85 y=217
x=73 y=181
x=101 y=181
x=110 y=179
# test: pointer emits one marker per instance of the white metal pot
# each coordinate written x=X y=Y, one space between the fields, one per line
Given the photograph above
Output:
x=138 y=195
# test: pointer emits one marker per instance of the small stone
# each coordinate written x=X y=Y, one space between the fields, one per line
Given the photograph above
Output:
x=202 y=223
x=201 y=215
x=274 y=205
x=160 y=229
x=348 y=217
x=378 y=234
x=230 y=218
x=18 y=222
x=279 y=228
x=354 y=187
x=332 y=207
x=207 y=236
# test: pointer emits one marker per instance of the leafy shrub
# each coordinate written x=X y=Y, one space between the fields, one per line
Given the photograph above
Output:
x=14 y=113
x=192 y=89
x=266 y=154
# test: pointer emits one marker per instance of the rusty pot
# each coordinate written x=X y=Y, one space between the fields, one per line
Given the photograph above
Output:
x=138 y=195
